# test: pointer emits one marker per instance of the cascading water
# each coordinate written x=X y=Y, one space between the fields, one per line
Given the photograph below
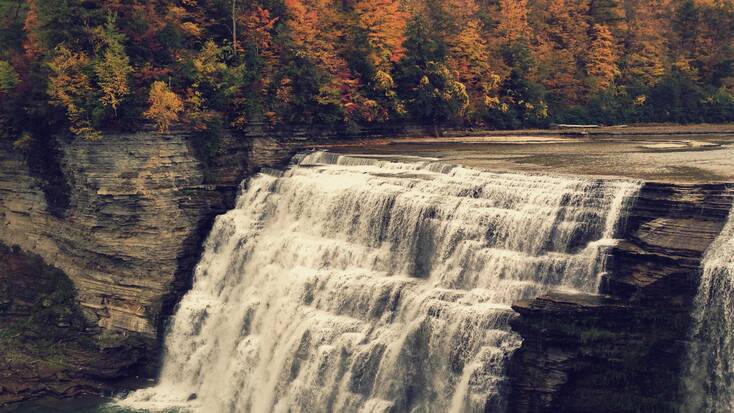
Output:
x=354 y=284
x=709 y=380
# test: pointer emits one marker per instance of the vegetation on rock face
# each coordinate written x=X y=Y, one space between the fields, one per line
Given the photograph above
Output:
x=164 y=106
x=85 y=66
x=43 y=331
x=42 y=319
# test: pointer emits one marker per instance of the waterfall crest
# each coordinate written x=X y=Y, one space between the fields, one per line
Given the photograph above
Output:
x=709 y=380
x=356 y=284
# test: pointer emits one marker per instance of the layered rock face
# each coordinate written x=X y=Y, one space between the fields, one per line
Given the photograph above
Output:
x=119 y=224
x=123 y=224
x=623 y=352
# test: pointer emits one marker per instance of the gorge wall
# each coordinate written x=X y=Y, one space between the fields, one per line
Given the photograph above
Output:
x=122 y=221
x=92 y=264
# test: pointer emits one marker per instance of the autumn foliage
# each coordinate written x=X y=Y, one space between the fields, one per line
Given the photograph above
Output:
x=165 y=106
x=90 y=66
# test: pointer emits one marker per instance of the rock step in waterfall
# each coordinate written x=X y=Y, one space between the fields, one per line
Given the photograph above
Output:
x=709 y=381
x=360 y=284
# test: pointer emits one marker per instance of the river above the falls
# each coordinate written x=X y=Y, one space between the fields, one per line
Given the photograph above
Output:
x=654 y=156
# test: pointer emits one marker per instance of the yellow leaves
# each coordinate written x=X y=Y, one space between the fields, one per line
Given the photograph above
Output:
x=112 y=68
x=176 y=13
x=192 y=29
x=112 y=74
x=68 y=80
x=208 y=63
x=180 y=17
x=383 y=81
x=683 y=65
x=165 y=106
x=640 y=100
x=24 y=142
x=491 y=101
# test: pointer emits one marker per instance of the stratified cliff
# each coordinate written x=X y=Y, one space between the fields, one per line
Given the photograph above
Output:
x=117 y=226
x=98 y=242
x=623 y=352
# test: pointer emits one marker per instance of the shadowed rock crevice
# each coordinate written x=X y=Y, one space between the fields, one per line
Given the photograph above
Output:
x=44 y=164
x=49 y=347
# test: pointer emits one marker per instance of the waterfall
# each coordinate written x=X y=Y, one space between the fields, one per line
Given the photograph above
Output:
x=709 y=379
x=361 y=284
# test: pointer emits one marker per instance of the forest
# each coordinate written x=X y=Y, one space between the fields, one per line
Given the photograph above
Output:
x=80 y=68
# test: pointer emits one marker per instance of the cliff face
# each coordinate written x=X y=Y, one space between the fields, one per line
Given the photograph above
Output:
x=123 y=225
x=98 y=244
x=623 y=352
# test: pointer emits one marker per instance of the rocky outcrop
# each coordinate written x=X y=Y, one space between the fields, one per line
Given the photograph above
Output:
x=123 y=223
x=118 y=224
x=622 y=351
x=49 y=348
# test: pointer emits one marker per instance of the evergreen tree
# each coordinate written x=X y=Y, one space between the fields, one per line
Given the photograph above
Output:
x=112 y=67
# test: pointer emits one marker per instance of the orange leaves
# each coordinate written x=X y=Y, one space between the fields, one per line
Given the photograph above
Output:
x=384 y=22
x=647 y=43
x=316 y=30
x=257 y=26
x=32 y=44
x=602 y=61
x=513 y=20
x=469 y=54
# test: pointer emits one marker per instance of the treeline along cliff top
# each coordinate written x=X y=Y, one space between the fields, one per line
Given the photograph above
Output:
x=83 y=67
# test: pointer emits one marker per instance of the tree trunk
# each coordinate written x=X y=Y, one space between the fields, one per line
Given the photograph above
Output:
x=234 y=27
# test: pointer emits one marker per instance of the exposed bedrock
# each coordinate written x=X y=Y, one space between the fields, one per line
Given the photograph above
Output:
x=623 y=352
x=119 y=224
x=124 y=225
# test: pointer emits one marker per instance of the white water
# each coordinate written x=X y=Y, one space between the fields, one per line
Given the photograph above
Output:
x=351 y=284
x=710 y=371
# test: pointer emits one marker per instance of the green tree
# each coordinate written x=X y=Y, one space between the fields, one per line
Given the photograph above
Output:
x=70 y=87
x=8 y=77
x=439 y=97
x=112 y=67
